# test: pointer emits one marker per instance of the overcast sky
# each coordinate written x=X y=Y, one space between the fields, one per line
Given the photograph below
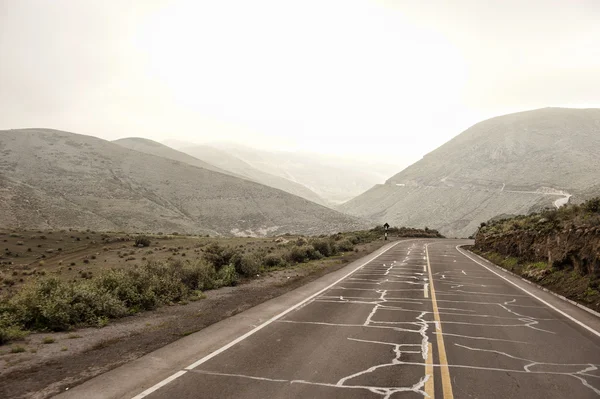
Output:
x=387 y=79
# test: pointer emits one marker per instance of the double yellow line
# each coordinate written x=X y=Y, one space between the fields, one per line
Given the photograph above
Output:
x=444 y=369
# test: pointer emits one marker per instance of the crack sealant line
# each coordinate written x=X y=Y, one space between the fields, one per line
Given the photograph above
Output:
x=444 y=369
x=260 y=327
x=590 y=329
x=429 y=385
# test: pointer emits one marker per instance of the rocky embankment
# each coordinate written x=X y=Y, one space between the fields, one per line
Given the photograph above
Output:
x=558 y=249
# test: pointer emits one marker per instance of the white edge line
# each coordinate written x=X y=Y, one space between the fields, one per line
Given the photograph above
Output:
x=260 y=327
x=160 y=384
x=533 y=295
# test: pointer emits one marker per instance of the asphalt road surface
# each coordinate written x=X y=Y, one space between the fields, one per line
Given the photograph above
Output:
x=420 y=320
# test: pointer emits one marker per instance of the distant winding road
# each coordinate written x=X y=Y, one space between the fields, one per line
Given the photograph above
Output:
x=564 y=200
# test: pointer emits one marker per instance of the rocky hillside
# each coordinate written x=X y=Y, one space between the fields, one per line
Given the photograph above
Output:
x=512 y=164
x=237 y=167
x=54 y=180
x=559 y=249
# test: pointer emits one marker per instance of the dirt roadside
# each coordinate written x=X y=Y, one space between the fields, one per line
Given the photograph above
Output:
x=53 y=362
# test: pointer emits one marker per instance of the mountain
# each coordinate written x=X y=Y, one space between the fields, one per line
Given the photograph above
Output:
x=511 y=164
x=235 y=166
x=55 y=180
x=152 y=147
x=333 y=178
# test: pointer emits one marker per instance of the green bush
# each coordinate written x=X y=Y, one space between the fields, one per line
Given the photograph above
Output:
x=272 y=260
x=304 y=253
x=227 y=276
x=199 y=275
x=354 y=239
x=345 y=245
x=221 y=256
x=142 y=241
x=249 y=265
x=325 y=246
x=592 y=206
x=55 y=305
x=10 y=330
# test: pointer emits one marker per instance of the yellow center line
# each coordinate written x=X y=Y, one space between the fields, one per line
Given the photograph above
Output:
x=429 y=390
x=444 y=369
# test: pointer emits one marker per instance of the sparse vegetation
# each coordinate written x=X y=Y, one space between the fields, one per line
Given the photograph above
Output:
x=17 y=349
x=92 y=295
x=557 y=248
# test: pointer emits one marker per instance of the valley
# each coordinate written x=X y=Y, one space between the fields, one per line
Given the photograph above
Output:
x=299 y=200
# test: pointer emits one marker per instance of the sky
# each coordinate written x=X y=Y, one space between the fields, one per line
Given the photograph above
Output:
x=383 y=80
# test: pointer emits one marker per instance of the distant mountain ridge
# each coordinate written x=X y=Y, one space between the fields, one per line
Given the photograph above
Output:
x=237 y=167
x=51 y=179
x=333 y=178
x=152 y=147
x=511 y=164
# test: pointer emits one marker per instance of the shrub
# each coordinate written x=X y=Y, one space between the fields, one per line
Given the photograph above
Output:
x=304 y=253
x=142 y=241
x=221 y=256
x=56 y=305
x=354 y=239
x=11 y=333
x=345 y=245
x=297 y=254
x=227 y=276
x=249 y=265
x=325 y=246
x=272 y=260
x=17 y=349
x=592 y=206
x=199 y=275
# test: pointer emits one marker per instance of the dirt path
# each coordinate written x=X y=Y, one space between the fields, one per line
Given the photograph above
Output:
x=45 y=369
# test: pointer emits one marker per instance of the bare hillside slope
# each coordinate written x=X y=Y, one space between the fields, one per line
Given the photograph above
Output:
x=53 y=179
x=233 y=165
x=549 y=147
x=512 y=164
x=154 y=148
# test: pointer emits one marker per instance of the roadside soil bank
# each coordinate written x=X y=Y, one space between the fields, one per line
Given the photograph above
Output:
x=44 y=364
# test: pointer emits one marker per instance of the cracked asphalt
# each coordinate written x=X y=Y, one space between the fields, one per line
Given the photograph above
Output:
x=420 y=320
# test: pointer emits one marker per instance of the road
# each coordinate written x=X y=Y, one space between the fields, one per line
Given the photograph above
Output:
x=420 y=320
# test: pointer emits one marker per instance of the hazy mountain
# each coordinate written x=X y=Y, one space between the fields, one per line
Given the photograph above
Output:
x=333 y=178
x=233 y=165
x=152 y=147
x=511 y=164
x=53 y=180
